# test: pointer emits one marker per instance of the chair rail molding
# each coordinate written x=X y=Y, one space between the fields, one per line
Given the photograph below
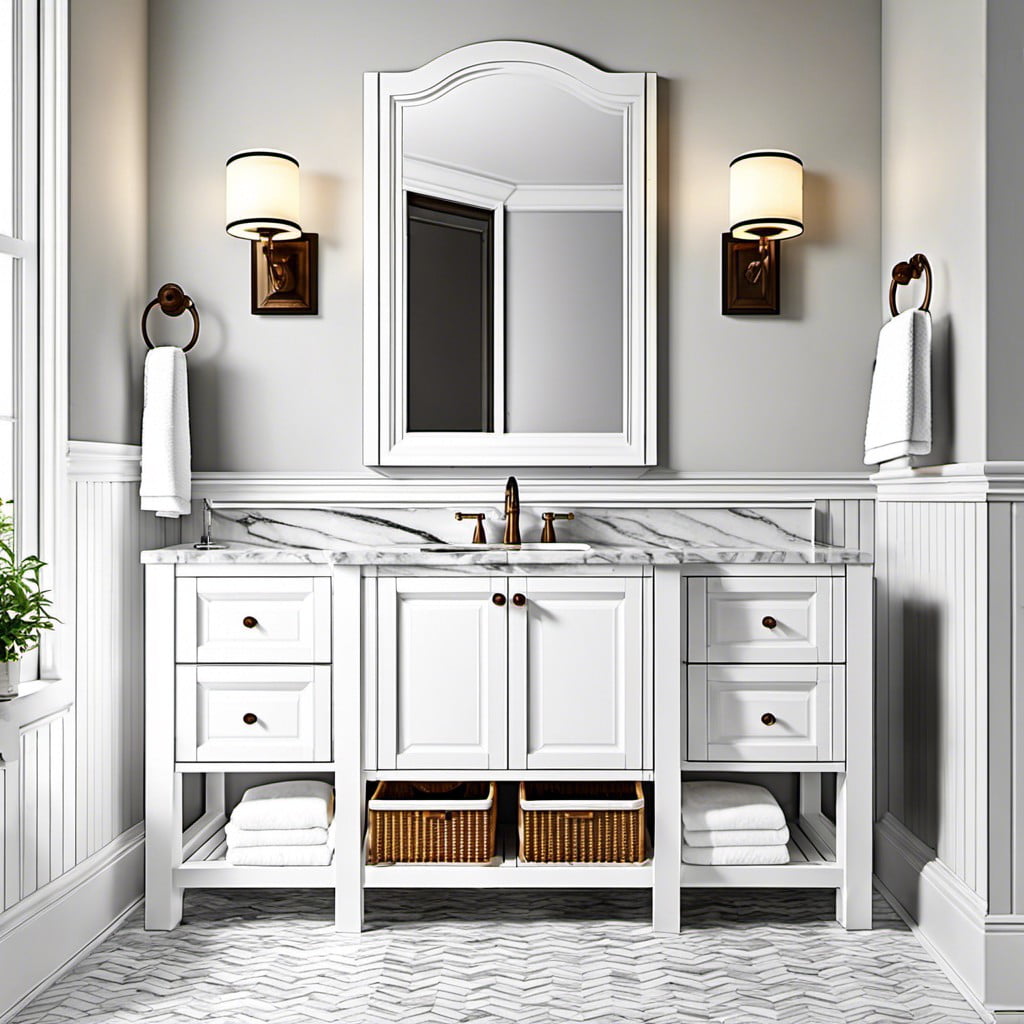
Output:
x=103 y=460
x=961 y=481
x=606 y=489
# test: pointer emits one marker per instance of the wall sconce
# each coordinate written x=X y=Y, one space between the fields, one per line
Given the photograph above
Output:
x=766 y=205
x=263 y=206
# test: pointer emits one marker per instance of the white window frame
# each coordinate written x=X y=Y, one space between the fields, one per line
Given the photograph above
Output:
x=39 y=245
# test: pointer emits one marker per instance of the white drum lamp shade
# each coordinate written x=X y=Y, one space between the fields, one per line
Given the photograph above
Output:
x=263 y=195
x=766 y=195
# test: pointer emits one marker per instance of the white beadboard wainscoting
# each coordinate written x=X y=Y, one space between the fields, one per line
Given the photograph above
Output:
x=71 y=799
x=950 y=717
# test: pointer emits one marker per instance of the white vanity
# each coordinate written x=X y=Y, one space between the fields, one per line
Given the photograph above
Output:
x=626 y=663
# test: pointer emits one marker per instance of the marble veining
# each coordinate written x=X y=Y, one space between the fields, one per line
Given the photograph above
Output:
x=694 y=527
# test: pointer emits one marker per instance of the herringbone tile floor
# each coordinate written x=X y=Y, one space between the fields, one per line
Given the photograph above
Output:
x=745 y=957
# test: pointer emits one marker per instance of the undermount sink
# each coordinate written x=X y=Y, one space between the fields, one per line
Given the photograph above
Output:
x=553 y=547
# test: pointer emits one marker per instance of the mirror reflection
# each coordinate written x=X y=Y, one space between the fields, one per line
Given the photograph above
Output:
x=514 y=281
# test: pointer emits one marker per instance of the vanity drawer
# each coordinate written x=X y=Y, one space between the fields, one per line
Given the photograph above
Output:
x=259 y=713
x=766 y=713
x=766 y=619
x=255 y=619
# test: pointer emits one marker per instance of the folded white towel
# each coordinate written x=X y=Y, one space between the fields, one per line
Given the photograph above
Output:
x=737 y=837
x=284 y=856
x=166 y=486
x=900 y=409
x=302 y=803
x=735 y=854
x=729 y=805
x=239 y=837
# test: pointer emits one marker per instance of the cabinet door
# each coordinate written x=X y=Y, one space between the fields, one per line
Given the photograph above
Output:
x=442 y=673
x=575 y=673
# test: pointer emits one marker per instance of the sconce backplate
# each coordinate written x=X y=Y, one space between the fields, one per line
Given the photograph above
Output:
x=745 y=292
x=297 y=268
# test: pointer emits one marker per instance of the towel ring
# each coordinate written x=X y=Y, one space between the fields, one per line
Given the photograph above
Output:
x=902 y=273
x=172 y=302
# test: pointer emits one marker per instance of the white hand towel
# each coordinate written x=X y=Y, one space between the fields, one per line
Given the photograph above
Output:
x=239 y=837
x=166 y=486
x=284 y=856
x=900 y=410
x=302 y=803
x=735 y=854
x=736 y=837
x=729 y=805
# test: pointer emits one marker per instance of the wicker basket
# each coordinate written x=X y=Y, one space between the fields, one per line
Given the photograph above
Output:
x=409 y=822
x=585 y=822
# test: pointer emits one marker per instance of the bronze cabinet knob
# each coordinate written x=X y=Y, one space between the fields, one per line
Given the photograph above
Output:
x=769 y=622
x=768 y=718
x=519 y=600
x=249 y=718
x=498 y=599
x=249 y=622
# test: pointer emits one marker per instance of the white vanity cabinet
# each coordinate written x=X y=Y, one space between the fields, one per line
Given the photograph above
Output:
x=517 y=672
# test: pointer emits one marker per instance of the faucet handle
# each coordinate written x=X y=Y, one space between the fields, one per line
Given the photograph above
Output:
x=479 y=537
x=548 y=533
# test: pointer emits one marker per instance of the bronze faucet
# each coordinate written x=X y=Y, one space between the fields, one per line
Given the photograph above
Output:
x=511 y=513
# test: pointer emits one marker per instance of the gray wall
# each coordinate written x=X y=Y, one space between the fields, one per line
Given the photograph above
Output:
x=107 y=258
x=1005 y=219
x=933 y=196
x=785 y=393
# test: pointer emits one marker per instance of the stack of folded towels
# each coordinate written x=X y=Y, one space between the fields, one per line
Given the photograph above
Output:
x=732 y=823
x=283 y=824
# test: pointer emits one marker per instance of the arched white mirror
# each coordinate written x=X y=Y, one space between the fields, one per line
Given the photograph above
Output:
x=509 y=264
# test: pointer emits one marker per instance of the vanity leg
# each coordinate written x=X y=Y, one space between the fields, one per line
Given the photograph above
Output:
x=854 y=812
x=163 y=851
x=348 y=749
x=163 y=783
x=667 y=751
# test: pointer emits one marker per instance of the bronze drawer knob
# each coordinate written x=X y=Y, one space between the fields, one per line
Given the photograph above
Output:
x=519 y=600
x=498 y=599
x=768 y=718
x=249 y=718
x=249 y=622
x=769 y=622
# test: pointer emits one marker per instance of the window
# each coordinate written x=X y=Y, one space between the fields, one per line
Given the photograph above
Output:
x=19 y=267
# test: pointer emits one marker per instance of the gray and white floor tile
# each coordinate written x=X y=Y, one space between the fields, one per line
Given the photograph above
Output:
x=506 y=958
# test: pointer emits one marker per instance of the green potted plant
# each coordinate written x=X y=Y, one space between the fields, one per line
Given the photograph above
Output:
x=24 y=606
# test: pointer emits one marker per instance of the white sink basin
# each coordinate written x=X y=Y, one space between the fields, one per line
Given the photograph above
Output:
x=557 y=546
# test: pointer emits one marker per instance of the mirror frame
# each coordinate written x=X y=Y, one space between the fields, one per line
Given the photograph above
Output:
x=386 y=96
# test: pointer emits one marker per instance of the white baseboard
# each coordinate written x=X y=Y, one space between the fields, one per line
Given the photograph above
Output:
x=48 y=933
x=949 y=915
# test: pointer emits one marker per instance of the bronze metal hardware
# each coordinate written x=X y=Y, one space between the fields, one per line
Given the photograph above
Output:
x=479 y=537
x=283 y=275
x=512 y=512
x=498 y=599
x=249 y=622
x=519 y=600
x=548 y=533
x=769 y=622
x=768 y=718
x=172 y=301
x=750 y=276
x=903 y=272
x=249 y=718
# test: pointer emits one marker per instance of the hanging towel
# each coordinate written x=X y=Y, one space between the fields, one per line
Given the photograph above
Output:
x=284 y=856
x=735 y=837
x=301 y=803
x=729 y=805
x=166 y=487
x=239 y=837
x=900 y=410
x=735 y=854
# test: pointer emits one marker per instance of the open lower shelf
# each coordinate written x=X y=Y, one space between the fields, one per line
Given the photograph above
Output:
x=507 y=871
x=812 y=864
x=207 y=868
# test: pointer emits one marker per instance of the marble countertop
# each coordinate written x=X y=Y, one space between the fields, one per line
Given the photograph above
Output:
x=595 y=554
